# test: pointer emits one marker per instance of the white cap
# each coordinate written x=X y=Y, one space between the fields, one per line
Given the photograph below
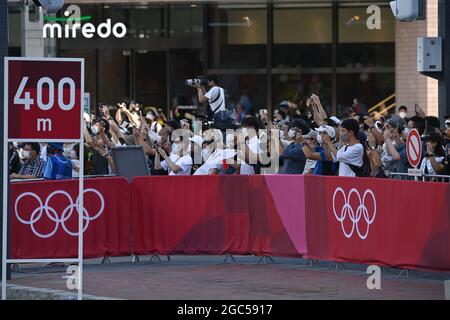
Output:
x=197 y=139
x=335 y=119
x=328 y=129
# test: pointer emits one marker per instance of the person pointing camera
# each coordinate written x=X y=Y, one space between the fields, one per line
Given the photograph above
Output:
x=215 y=95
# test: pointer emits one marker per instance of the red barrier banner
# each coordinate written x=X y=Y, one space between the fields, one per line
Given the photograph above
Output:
x=277 y=215
x=44 y=218
x=190 y=215
x=386 y=222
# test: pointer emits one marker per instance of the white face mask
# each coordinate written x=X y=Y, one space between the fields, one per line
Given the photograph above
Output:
x=406 y=132
x=402 y=115
x=158 y=139
x=26 y=154
x=205 y=154
x=291 y=134
x=319 y=139
x=73 y=154
x=175 y=148
x=94 y=130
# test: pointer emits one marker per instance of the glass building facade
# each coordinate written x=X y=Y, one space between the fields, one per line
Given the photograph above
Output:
x=268 y=51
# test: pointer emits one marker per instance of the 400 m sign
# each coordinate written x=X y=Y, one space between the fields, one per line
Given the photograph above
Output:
x=44 y=98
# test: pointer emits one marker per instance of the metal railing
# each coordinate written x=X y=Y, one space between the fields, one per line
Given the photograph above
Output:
x=423 y=177
x=379 y=104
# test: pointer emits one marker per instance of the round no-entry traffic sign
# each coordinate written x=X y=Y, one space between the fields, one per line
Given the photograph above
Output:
x=414 y=148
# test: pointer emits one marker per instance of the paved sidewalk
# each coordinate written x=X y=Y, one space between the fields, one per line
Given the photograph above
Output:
x=206 y=277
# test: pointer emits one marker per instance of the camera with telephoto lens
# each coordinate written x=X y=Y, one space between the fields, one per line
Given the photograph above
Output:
x=200 y=80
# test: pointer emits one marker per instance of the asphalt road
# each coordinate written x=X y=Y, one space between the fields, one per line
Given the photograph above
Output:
x=207 y=277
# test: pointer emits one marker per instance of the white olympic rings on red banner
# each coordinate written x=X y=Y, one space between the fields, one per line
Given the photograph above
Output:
x=51 y=213
x=355 y=216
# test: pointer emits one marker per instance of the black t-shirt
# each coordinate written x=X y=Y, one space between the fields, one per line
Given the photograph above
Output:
x=14 y=161
x=100 y=164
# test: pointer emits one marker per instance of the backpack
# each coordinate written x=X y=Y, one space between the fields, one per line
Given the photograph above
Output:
x=364 y=170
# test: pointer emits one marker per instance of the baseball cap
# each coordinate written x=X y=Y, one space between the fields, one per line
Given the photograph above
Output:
x=57 y=145
x=397 y=122
x=283 y=122
x=336 y=120
x=329 y=130
x=197 y=139
x=311 y=135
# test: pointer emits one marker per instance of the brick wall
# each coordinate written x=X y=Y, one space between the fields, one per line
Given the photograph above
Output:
x=412 y=87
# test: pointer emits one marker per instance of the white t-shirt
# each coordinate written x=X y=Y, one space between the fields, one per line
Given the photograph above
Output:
x=184 y=162
x=427 y=164
x=215 y=103
x=215 y=161
x=349 y=154
x=253 y=145
x=309 y=165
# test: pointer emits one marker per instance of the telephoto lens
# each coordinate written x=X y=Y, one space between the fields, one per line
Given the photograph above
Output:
x=190 y=82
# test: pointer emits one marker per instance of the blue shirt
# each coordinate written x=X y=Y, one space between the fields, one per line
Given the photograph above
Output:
x=404 y=165
x=324 y=167
x=58 y=167
x=294 y=160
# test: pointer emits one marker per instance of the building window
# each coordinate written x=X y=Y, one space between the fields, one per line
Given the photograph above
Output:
x=142 y=21
x=302 y=35
x=366 y=57
x=186 y=21
x=237 y=36
x=113 y=76
x=360 y=46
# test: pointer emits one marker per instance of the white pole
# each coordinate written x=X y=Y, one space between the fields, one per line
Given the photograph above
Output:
x=80 y=222
x=5 y=181
x=81 y=191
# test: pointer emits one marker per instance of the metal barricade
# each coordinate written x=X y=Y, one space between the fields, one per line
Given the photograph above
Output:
x=422 y=177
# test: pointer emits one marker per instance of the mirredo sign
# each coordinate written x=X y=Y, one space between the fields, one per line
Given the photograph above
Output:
x=73 y=26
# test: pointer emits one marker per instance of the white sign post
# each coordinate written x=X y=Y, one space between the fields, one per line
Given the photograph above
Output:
x=45 y=97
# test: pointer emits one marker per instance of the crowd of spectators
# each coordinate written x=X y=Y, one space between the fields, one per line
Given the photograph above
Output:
x=236 y=141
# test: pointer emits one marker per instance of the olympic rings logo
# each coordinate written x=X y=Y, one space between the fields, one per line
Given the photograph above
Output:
x=51 y=213
x=355 y=217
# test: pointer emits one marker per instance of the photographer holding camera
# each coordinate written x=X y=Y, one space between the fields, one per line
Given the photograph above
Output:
x=215 y=95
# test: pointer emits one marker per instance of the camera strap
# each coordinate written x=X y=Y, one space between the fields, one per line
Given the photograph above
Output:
x=215 y=99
